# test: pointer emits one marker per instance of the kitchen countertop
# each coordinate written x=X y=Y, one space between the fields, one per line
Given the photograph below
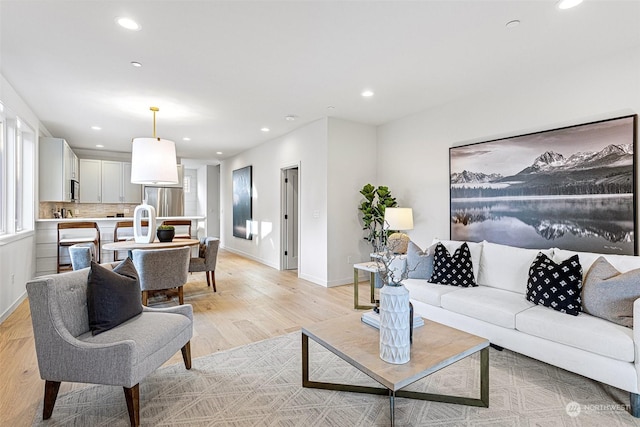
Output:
x=127 y=218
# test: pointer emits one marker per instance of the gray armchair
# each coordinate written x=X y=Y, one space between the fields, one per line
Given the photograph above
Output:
x=123 y=356
x=161 y=269
x=207 y=259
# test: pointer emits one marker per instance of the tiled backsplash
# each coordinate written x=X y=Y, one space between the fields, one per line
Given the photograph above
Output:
x=86 y=210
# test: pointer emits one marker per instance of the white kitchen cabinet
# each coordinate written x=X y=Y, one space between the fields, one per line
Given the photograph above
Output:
x=116 y=183
x=58 y=166
x=90 y=181
x=132 y=193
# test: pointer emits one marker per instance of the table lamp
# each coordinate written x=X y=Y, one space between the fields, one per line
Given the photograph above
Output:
x=398 y=219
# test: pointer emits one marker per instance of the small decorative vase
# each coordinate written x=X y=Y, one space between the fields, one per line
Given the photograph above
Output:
x=166 y=235
x=395 y=329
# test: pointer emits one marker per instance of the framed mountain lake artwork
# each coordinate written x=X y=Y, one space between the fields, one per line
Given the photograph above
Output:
x=242 y=202
x=571 y=188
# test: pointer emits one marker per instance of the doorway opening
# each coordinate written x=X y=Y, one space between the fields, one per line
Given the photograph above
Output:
x=289 y=218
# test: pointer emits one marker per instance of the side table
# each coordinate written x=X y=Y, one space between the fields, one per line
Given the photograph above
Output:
x=373 y=268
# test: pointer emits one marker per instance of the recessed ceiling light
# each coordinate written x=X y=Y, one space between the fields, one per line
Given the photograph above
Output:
x=186 y=138
x=99 y=146
x=568 y=4
x=218 y=152
x=290 y=117
x=265 y=129
x=128 y=23
x=96 y=128
x=512 y=24
x=367 y=93
x=136 y=64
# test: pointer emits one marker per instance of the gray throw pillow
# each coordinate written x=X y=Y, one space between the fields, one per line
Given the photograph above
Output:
x=609 y=294
x=113 y=296
x=419 y=262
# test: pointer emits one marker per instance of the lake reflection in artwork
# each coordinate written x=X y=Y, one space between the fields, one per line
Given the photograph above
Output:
x=581 y=223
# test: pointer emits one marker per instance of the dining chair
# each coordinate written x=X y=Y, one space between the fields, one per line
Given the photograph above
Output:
x=161 y=269
x=81 y=255
x=72 y=233
x=124 y=231
x=207 y=259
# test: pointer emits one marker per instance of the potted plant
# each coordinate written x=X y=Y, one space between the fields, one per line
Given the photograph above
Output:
x=372 y=208
x=166 y=233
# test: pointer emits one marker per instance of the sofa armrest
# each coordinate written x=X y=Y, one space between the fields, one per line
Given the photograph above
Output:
x=184 y=309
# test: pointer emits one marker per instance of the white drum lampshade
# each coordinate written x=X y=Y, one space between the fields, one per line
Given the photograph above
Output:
x=153 y=162
x=398 y=219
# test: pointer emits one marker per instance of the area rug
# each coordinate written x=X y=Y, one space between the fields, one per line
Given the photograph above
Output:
x=260 y=385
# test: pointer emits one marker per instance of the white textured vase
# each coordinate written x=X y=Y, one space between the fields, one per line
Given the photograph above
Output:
x=395 y=345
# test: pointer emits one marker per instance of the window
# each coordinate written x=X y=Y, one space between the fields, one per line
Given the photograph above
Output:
x=3 y=179
x=17 y=173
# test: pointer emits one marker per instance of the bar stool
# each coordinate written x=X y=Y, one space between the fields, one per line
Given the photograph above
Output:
x=72 y=233
x=124 y=231
x=182 y=224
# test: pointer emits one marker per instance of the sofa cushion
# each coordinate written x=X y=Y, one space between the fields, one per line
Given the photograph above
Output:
x=622 y=263
x=113 y=296
x=585 y=332
x=492 y=305
x=507 y=267
x=419 y=262
x=427 y=292
x=474 y=248
x=609 y=294
x=555 y=285
x=456 y=269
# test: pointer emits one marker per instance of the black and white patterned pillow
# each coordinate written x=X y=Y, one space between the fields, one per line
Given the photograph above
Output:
x=556 y=285
x=456 y=270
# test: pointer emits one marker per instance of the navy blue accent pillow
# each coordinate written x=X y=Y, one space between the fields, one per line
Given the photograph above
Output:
x=113 y=296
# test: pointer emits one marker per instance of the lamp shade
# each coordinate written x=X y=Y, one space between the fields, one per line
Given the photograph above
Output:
x=153 y=162
x=398 y=218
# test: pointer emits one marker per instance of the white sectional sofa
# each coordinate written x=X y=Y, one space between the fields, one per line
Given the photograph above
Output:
x=498 y=310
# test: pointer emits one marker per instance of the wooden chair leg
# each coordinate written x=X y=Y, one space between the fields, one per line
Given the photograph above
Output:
x=186 y=355
x=50 y=394
x=132 y=395
x=181 y=295
x=206 y=274
x=145 y=297
x=213 y=279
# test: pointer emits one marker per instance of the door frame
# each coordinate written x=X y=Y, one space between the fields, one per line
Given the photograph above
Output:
x=283 y=231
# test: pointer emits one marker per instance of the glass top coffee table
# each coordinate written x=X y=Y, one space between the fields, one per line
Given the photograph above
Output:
x=435 y=346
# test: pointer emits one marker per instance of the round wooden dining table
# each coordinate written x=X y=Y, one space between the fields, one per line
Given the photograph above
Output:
x=129 y=245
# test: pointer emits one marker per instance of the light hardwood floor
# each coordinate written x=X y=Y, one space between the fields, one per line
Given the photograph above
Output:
x=254 y=302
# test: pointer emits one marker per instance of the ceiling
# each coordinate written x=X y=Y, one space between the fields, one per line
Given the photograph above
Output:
x=221 y=70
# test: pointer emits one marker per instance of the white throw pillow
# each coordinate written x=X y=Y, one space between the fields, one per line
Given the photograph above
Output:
x=507 y=267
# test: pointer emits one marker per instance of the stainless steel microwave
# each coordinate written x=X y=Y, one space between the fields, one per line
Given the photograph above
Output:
x=75 y=190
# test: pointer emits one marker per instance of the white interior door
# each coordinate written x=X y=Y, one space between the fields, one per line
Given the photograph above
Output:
x=290 y=219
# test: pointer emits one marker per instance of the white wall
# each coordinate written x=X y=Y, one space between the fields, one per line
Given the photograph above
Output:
x=335 y=159
x=413 y=152
x=305 y=147
x=351 y=165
